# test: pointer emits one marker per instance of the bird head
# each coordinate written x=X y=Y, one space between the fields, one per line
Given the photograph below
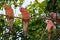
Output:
x=22 y=9
x=53 y=15
x=49 y=22
x=6 y=7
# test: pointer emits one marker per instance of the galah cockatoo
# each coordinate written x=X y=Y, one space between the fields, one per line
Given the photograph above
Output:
x=50 y=25
x=9 y=16
x=56 y=17
x=25 y=19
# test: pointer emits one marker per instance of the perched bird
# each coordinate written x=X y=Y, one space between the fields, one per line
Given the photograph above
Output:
x=56 y=17
x=25 y=19
x=9 y=16
x=49 y=26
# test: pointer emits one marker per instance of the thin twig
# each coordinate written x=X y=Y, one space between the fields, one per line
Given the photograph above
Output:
x=29 y=18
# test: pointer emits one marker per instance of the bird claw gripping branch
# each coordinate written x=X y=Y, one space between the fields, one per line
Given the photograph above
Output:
x=25 y=19
x=9 y=16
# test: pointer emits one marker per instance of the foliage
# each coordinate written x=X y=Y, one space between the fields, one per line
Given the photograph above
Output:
x=37 y=26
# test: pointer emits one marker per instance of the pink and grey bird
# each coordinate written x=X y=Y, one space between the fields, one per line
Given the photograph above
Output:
x=50 y=25
x=56 y=17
